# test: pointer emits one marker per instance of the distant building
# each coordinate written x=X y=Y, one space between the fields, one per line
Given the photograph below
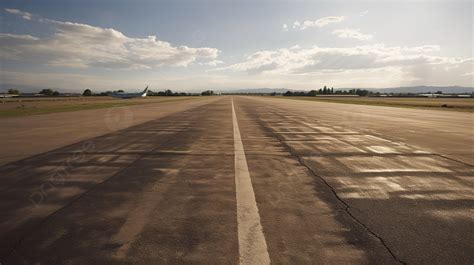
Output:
x=25 y=95
x=429 y=95
x=437 y=95
x=70 y=94
x=6 y=95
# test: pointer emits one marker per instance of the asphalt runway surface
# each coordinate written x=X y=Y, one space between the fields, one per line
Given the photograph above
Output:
x=25 y=136
x=248 y=180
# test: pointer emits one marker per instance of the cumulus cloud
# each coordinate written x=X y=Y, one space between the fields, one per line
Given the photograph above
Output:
x=284 y=27
x=415 y=62
x=321 y=22
x=295 y=47
x=424 y=48
x=81 y=45
x=24 y=15
x=212 y=63
x=351 y=34
x=363 y=13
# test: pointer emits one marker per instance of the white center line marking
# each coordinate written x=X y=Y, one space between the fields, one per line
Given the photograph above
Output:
x=252 y=245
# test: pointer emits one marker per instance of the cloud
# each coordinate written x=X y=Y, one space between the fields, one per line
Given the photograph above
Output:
x=24 y=15
x=351 y=34
x=321 y=22
x=415 y=63
x=212 y=63
x=80 y=46
x=424 y=48
x=284 y=27
x=363 y=13
x=295 y=47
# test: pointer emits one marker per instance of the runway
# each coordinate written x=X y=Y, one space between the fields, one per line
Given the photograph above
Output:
x=248 y=180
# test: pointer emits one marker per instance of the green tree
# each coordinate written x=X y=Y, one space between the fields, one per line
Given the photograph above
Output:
x=46 y=92
x=362 y=92
x=13 y=91
x=55 y=93
x=312 y=93
x=87 y=93
x=207 y=93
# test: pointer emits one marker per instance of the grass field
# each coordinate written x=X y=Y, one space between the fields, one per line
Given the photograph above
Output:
x=13 y=107
x=450 y=104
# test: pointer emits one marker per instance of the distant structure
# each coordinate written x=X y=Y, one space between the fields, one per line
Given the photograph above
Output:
x=6 y=95
x=130 y=95
x=439 y=95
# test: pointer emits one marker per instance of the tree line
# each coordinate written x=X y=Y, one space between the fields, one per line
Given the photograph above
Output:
x=327 y=91
x=49 y=92
x=164 y=93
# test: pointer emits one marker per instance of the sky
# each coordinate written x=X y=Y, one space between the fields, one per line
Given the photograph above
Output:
x=224 y=45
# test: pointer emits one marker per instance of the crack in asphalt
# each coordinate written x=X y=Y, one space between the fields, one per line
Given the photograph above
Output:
x=346 y=205
x=453 y=159
x=347 y=208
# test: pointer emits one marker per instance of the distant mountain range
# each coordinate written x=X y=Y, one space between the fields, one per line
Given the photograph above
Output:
x=414 y=89
x=258 y=90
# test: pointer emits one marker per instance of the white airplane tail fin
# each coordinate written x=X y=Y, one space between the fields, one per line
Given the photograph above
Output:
x=145 y=92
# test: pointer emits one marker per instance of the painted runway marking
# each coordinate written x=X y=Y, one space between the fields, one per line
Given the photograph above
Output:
x=252 y=245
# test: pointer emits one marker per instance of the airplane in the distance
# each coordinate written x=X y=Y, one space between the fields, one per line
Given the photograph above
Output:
x=130 y=95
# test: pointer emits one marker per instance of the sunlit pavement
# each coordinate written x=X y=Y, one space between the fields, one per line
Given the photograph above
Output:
x=327 y=191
